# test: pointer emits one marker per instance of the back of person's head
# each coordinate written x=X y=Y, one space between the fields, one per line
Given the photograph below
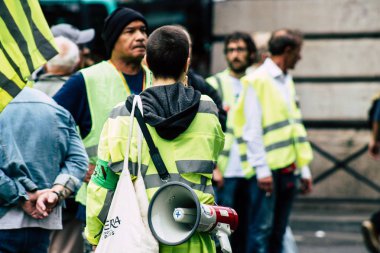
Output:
x=282 y=39
x=251 y=47
x=67 y=59
x=184 y=29
x=167 y=52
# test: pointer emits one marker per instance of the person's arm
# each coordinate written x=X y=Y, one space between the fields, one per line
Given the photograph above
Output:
x=101 y=186
x=72 y=171
x=219 y=144
x=11 y=190
x=74 y=167
x=73 y=97
x=306 y=180
x=18 y=191
x=253 y=135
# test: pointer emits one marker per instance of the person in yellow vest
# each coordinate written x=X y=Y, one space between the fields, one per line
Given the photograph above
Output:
x=235 y=191
x=184 y=126
x=91 y=93
x=269 y=120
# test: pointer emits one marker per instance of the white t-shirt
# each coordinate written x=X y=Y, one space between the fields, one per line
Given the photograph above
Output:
x=234 y=168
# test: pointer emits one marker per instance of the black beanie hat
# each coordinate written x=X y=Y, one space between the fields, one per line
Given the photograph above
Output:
x=115 y=23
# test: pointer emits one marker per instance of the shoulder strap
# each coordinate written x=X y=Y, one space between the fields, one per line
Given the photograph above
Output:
x=153 y=150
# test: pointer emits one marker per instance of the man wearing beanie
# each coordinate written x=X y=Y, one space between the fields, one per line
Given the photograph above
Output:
x=92 y=92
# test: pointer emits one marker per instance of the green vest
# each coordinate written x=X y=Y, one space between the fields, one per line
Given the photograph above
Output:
x=221 y=82
x=285 y=138
x=189 y=158
x=105 y=88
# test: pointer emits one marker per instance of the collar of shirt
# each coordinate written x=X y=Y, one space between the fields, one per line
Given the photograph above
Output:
x=275 y=71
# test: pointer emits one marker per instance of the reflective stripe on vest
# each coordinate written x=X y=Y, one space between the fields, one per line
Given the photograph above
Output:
x=26 y=43
x=105 y=89
x=154 y=181
x=183 y=166
x=285 y=138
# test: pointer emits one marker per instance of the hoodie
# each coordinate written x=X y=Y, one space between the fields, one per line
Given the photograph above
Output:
x=170 y=109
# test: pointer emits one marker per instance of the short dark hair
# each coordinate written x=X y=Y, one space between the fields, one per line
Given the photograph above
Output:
x=251 y=47
x=283 y=38
x=167 y=52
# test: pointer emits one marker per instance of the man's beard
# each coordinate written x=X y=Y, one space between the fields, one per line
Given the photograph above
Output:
x=238 y=69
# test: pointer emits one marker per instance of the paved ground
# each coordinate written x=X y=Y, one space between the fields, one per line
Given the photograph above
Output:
x=329 y=228
x=334 y=242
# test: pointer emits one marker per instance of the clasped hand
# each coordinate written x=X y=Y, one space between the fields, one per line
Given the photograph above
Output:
x=40 y=204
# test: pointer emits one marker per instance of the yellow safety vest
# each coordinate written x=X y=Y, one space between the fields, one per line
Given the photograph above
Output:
x=285 y=138
x=189 y=158
x=105 y=87
x=221 y=82
x=26 y=43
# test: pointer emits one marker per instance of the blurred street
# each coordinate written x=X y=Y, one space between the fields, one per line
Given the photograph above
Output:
x=335 y=228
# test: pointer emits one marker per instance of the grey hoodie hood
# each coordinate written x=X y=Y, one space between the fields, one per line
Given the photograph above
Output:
x=170 y=109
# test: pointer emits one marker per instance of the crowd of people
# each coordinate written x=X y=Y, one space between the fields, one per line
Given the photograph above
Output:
x=236 y=138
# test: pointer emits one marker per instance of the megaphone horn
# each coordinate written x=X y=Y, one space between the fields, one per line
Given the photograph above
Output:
x=160 y=213
x=175 y=214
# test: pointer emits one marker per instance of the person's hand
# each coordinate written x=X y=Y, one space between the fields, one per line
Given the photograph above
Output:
x=218 y=177
x=306 y=185
x=374 y=149
x=266 y=184
x=90 y=170
x=46 y=202
x=29 y=206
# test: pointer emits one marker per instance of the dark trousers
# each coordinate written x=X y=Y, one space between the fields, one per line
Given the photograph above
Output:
x=284 y=193
x=24 y=240
x=234 y=194
x=255 y=213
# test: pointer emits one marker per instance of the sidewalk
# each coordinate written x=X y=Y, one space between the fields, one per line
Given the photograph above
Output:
x=321 y=227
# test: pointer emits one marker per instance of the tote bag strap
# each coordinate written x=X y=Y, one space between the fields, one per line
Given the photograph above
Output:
x=153 y=150
x=125 y=171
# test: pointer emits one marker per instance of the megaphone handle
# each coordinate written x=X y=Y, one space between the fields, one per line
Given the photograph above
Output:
x=224 y=241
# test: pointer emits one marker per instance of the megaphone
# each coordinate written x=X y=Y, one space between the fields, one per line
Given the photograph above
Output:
x=175 y=214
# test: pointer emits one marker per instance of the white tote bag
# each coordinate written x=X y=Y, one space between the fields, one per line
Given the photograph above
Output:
x=126 y=229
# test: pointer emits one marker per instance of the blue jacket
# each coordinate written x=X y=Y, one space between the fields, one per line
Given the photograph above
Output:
x=39 y=147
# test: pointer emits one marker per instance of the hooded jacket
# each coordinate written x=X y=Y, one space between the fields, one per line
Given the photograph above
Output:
x=170 y=109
